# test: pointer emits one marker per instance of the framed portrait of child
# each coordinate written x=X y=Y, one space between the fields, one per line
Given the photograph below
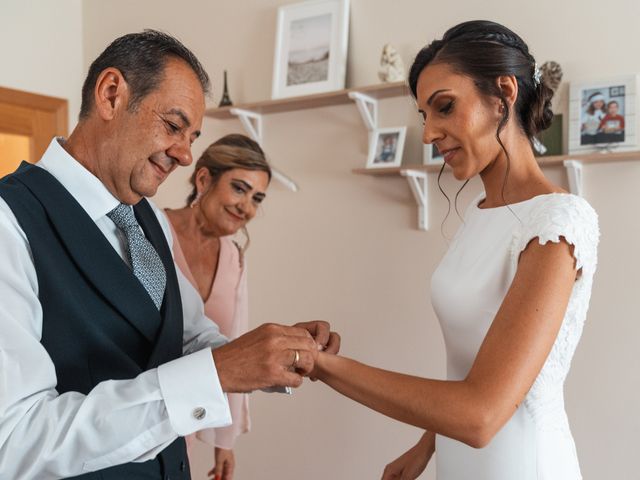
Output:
x=603 y=115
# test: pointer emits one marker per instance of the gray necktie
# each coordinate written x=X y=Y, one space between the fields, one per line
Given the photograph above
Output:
x=144 y=259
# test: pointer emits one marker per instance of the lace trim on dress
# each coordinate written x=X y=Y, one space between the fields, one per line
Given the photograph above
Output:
x=572 y=218
x=561 y=215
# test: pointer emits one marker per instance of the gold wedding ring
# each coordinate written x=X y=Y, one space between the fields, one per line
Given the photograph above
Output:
x=296 y=359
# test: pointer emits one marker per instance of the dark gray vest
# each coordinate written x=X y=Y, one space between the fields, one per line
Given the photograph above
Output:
x=99 y=323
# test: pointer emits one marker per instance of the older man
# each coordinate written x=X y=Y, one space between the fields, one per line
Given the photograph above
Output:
x=106 y=359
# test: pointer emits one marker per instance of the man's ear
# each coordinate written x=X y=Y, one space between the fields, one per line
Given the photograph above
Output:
x=508 y=85
x=111 y=93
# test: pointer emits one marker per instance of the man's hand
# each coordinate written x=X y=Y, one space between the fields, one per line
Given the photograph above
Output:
x=265 y=357
x=327 y=340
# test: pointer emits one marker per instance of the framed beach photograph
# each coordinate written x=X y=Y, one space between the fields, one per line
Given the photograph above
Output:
x=602 y=115
x=387 y=145
x=311 y=48
x=431 y=155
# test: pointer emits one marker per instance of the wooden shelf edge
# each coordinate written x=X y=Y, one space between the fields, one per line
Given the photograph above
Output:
x=598 y=157
x=396 y=170
x=587 y=158
x=339 y=97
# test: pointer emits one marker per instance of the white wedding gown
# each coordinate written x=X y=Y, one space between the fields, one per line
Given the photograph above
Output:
x=467 y=290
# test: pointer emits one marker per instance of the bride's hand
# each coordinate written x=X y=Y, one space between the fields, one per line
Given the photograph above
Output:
x=412 y=463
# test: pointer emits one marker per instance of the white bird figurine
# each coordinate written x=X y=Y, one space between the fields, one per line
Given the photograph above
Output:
x=391 y=65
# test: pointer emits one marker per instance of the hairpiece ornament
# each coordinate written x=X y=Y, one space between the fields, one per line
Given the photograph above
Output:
x=537 y=75
x=551 y=74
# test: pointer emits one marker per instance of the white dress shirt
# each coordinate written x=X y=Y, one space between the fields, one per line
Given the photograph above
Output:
x=44 y=435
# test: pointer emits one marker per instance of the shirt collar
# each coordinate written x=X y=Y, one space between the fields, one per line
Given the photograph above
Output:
x=83 y=186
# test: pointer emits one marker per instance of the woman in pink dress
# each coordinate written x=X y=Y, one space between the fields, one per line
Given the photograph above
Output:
x=229 y=183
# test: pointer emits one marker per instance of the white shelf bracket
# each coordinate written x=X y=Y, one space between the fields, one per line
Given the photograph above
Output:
x=252 y=123
x=574 y=173
x=368 y=107
x=284 y=179
x=419 y=187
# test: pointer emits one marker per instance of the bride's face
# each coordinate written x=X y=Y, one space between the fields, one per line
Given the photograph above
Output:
x=460 y=121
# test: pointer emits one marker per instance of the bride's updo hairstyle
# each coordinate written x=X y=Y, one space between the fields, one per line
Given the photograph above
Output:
x=484 y=51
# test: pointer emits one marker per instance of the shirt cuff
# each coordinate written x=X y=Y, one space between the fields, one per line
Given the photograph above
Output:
x=192 y=393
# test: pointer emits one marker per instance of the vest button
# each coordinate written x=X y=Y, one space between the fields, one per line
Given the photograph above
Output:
x=199 y=413
x=182 y=466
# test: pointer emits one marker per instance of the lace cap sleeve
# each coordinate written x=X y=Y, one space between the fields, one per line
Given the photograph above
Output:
x=562 y=215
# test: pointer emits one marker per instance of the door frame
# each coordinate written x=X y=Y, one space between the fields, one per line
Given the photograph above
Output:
x=40 y=117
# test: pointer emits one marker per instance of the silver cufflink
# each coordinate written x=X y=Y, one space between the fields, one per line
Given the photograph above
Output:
x=199 y=413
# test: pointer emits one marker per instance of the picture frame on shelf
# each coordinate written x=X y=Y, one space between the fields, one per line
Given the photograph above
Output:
x=431 y=155
x=386 y=148
x=602 y=115
x=311 y=48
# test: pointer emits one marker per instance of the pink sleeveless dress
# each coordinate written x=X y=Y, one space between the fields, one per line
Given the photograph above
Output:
x=227 y=306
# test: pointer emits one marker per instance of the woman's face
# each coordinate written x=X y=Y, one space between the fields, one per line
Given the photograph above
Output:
x=458 y=120
x=229 y=204
x=598 y=104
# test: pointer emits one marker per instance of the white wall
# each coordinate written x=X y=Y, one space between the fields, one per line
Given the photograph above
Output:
x=41 y=49
x=345 y=247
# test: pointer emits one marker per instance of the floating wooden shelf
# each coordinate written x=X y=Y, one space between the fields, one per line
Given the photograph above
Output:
x=600 y=157
x=339 y=97
x=586 y=158
x=366 y=100
x=397 y=170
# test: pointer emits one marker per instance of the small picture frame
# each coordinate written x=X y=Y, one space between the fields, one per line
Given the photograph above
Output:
x=311 y=48
x=387 y=145
x=431 y=155
x=602 y=115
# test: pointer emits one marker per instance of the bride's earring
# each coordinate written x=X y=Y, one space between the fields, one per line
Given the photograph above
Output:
x=196 y=200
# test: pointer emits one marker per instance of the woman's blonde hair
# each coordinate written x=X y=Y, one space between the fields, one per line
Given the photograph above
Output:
x=229 y=152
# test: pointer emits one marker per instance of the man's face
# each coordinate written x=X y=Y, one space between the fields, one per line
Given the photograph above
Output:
x=148 y=143
x=612 y=109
